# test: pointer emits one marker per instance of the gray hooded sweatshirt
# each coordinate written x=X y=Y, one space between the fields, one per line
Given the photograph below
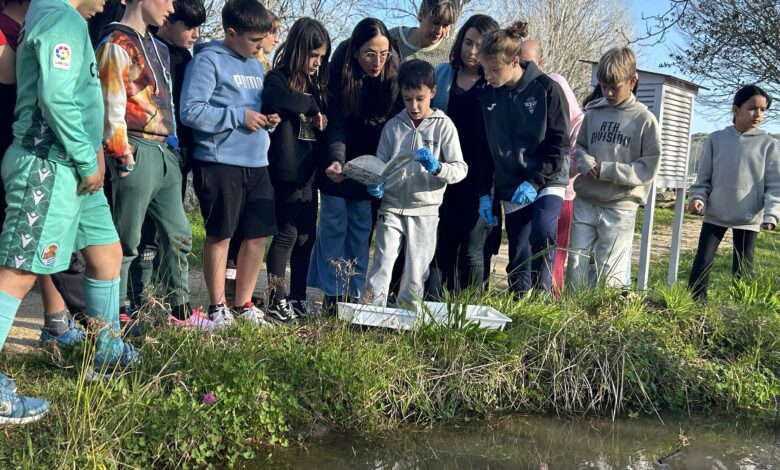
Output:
x=739 y=179
x=411 y=190
x=626 y=140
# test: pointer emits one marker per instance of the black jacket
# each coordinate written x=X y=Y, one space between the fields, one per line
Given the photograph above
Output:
x=290 y=158
x=179 y=58
x=528 y=132
x=349 y=137
x=464 y=110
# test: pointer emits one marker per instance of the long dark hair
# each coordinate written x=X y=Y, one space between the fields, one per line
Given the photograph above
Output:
x=482 y=23
x=351 y=87
x=305 y=35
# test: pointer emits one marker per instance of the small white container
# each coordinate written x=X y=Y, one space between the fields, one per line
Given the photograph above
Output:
x=402 y=319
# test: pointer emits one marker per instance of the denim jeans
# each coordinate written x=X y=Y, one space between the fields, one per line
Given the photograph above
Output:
x=339 y=259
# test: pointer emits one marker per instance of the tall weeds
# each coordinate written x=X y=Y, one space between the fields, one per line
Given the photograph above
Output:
x=202 y=398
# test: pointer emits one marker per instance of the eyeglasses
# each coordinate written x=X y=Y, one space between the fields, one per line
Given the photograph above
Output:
x=371 y=56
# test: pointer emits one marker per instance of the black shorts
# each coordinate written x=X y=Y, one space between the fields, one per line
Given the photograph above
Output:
x=235 y=199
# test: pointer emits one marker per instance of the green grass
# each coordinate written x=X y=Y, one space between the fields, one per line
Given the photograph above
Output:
x=591 y=353
x=198 y=237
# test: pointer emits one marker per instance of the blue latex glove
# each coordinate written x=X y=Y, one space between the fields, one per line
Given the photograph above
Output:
x=525 y=194
x=428 y=160
x=486 y=210
x=376 y=190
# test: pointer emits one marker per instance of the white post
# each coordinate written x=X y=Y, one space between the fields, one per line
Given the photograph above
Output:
x=647 y=240
x=677 y=228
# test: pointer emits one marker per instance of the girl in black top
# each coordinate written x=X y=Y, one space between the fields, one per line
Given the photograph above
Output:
x=294 y=90
x=458 y=263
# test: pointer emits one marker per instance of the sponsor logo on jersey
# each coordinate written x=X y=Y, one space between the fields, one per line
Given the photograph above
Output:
x=61 y=57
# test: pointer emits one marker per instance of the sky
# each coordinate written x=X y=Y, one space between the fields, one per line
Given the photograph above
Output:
x=650 y=58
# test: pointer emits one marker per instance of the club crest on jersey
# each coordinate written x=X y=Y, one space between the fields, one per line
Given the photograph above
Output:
x=49 y=254
x=530 y=104
x=61 y=57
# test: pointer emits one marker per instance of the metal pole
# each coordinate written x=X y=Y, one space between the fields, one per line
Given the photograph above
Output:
x=647 y=240
x=677 y=229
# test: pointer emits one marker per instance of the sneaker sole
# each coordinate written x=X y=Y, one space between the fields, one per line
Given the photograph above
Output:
x=25 y=420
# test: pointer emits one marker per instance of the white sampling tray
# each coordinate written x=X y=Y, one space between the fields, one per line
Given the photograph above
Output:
x=402 y=319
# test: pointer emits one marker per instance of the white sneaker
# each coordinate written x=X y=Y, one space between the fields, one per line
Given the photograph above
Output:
x=222 y=316
x=253 y=314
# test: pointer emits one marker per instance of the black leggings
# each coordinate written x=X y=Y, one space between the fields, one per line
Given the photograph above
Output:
x=296 y=218
x=709 y=240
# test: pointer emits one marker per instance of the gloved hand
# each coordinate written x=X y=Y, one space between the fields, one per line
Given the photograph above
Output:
x=376 y=190
x=428 y=160
x=525 y=194
x=486 y=210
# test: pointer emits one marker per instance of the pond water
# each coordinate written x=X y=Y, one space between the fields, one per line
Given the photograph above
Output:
x=535 y=442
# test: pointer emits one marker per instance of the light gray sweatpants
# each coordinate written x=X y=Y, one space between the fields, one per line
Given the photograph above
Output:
x=419 y=235
x=608 y=234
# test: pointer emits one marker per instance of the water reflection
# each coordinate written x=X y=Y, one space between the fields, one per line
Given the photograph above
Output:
x=544 y=443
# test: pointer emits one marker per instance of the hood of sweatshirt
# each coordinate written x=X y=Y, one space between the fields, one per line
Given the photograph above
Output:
x=410 y=189
x=630 y=104
x=134 y=75
x=625 y=141
x=738 y=180
x=219 y=87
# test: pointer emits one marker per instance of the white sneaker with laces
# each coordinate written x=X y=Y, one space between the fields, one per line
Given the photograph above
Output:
x=253 y=314
x=222 y=316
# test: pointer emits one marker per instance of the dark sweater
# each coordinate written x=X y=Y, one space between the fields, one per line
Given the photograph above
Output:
x=349 y=137
x=179 y=58
x=528 y=132
x=291 y=158
x=464 y=110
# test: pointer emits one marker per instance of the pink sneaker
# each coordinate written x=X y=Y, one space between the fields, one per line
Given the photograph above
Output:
x=197 y=320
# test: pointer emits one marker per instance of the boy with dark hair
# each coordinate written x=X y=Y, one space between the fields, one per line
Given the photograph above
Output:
x=221 y=100
x=145 y=173
x=409 y=213
x=179 y=33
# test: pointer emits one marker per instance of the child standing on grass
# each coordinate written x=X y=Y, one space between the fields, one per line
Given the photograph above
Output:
x=179 y=33
x=527 y=124
x=295 y=90
x=737 y=187
x=139 y=137
x=221 y=102
x=53 y=175
x=618 y=156
x=409 y=214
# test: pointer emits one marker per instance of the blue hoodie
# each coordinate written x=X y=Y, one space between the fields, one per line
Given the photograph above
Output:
x=219 y=86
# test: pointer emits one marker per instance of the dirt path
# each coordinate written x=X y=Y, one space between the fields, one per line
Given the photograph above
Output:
x=26 y=328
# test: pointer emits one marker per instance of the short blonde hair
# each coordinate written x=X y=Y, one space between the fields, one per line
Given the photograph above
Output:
x=616 y=65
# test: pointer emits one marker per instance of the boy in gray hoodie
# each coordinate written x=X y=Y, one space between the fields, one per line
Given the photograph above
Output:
x=618 y=156
x=412 y=195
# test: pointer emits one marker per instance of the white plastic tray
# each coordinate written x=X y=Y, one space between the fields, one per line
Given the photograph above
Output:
x=402 y=319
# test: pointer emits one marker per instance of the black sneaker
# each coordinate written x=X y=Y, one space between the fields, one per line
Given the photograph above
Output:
x=301 y=308
x=279 y=310
x=330 y=306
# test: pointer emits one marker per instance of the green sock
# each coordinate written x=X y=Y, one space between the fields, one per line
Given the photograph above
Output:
x=8 y=307
x=102 y=299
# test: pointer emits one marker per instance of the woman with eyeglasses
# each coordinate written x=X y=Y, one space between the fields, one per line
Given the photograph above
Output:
x=363 y=92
